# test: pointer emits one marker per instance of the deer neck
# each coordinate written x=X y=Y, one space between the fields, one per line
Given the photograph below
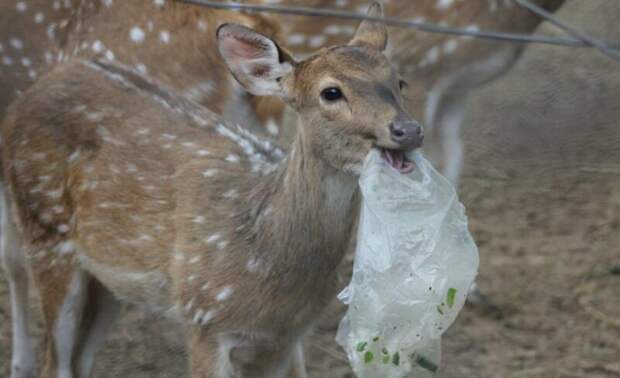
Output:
x=306 y=212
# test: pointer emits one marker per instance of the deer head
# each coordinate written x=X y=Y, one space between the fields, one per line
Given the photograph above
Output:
x=348 y=97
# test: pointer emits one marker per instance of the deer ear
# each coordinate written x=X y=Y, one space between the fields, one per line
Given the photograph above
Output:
x=373 y=34
x=254 y=59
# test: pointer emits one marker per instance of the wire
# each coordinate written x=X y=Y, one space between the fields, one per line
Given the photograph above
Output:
x=392 y=21
x=569 y=29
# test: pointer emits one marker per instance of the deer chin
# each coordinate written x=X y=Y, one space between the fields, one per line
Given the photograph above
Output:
x=398 y=160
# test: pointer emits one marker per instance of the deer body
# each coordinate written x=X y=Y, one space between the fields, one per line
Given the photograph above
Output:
x=170 y=215
x=119 y=189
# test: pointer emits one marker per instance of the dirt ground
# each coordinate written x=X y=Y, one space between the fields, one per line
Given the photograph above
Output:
x=542 y=189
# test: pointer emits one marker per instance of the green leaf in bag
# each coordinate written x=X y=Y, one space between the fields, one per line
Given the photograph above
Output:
x=451 y=296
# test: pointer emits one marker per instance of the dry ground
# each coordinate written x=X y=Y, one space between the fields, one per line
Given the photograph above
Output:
x=542 y=189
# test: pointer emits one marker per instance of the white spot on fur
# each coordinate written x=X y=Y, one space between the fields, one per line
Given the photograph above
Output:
x=232 y=158
x=55 y=194
x=231 y=194
x=21 y=6
x=272 y=127
x=202 y=25
x=74 y=156
x=189 y=305
x=136 y=34
x=164 y=36
x=296 y=39
x=98 y=46
x=39 y=17
x=198 y=316
x=199 y=219
x=444 y=4
x=431 y=57
x=209 y=172
x=317 y=41
x=224 y=294
x=142 y=68
x=207 y=317
x=221 y=245
x=450 y=46
x=198 y=92
x=65 y=247
x=16 y=43
x=202 y=152
x=213 y=238
x=253 y=265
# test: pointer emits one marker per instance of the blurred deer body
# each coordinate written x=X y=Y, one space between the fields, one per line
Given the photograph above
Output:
x=119 y=189
x=170 y=42
x=442 y=69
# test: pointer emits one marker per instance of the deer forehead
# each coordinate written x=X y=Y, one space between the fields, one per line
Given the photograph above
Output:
x=348 y=65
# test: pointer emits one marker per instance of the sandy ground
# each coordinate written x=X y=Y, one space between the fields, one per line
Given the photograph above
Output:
x=542 y=189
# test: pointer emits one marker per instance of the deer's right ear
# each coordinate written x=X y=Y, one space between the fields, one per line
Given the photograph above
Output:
x=254 y=59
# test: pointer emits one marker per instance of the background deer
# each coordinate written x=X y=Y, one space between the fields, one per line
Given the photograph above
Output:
x=441 y=69
x=119 y=189
x=172 y=43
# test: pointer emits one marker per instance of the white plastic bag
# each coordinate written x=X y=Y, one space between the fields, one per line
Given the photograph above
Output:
x=415 y=262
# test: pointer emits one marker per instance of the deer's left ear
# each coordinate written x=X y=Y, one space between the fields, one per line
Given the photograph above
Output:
x=255 y=60
x=373 y=34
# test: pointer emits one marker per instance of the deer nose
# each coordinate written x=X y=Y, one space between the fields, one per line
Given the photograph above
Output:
x=407 y=133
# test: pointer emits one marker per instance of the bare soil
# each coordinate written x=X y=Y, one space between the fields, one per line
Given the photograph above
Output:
x=542 y=189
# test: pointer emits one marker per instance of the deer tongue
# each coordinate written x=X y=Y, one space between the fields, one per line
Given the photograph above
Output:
x=398 y=160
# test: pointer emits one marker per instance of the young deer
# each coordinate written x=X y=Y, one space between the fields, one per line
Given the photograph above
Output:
x=445 y=68
x=113 y=193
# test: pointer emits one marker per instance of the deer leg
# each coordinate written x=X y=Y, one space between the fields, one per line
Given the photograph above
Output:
x=449 y=120
x=299 y=361
x=23 y=363
x=63 y=290
x=103 y=309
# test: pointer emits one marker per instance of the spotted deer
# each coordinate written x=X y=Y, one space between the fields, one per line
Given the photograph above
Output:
x=119 y=189
x=170 y=42
x=443 y=69
x=173 y=44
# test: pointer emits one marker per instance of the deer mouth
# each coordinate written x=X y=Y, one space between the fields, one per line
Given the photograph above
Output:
x=398 y=160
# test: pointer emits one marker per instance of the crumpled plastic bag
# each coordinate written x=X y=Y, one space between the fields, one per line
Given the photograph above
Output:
x=414 y=264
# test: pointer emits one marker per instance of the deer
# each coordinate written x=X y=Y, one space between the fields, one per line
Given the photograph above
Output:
x=140 y=35
x=170 y=42
x=117 y=188
x=444 y=68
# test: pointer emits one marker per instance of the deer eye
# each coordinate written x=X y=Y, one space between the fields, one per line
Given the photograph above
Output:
x=332 y=94
x=402 y=84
